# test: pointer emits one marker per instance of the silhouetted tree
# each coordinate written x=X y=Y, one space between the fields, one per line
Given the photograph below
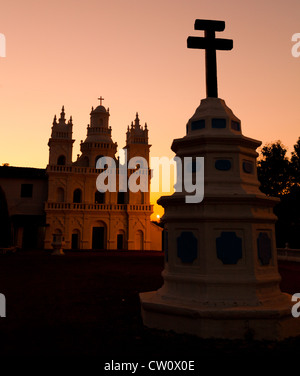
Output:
x=273 y=170
x=288 y=223
x=295 y=164
x=280 y=177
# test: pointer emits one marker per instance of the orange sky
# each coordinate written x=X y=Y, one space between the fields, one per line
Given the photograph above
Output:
x=134 y=54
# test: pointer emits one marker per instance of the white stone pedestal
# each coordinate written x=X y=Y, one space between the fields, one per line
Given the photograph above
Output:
x=267 y=322
x=221 y=276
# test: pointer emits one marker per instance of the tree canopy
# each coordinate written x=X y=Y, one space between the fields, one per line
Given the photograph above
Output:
x=280 y=177
x=295 y=164
x=273 y=170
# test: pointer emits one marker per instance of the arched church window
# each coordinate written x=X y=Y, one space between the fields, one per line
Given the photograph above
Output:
x=121 y=198
x=100 y=197
x=77 y=196
x=61 y=160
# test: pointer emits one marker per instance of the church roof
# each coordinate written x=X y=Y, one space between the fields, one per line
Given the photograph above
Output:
x=22 y=172
x=100 y=109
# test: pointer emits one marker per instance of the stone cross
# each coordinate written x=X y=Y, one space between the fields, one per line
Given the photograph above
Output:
x=210 y=44
x=101 y=99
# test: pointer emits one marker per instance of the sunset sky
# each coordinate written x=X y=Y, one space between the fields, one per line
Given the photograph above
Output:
x=134 y=54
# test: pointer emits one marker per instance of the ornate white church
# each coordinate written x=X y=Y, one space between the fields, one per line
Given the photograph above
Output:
x=63 y=198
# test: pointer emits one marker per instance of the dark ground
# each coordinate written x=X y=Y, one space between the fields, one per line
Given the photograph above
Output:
x=88 y=304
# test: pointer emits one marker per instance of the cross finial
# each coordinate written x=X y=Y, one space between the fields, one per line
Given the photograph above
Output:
x=101 y=99
x=210 y=44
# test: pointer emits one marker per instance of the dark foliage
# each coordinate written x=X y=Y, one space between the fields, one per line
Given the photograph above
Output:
x=273 y=170
x=280 y=177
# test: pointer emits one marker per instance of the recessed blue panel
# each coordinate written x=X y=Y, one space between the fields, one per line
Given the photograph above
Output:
x=235 y=125
x=264 y=248
x=229 y=247
x=248 y=167
x=187 y=247
x=223 y=164
x=218 y=123
x=198 y=124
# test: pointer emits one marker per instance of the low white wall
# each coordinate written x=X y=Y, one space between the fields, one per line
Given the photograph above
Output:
x=288 y=254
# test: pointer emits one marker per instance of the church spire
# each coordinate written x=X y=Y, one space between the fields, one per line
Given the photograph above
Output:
x=136 y=133
x=62 y=119
x=137 y=140
x=137 y=121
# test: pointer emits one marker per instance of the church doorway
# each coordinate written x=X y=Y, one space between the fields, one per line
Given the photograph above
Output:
x=75 y=240
x=98 y=238
x=30 y=236
x=139 y=240
x=120 y=241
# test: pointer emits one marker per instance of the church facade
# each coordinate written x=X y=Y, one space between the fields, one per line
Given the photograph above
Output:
x=63 y=199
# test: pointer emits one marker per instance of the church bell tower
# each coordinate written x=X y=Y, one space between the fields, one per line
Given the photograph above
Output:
x=137 y=146
x=61 y=142
x=98 y=142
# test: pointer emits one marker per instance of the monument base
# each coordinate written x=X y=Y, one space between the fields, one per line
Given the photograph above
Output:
x=271 y=321
x=58 y=252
